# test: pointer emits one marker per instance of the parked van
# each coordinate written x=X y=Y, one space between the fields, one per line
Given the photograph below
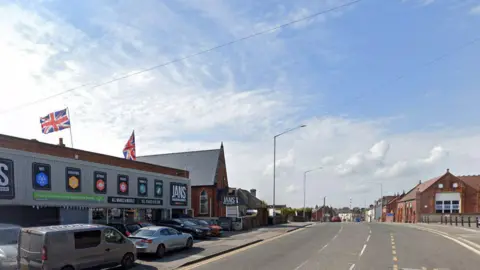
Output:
x=74 y=247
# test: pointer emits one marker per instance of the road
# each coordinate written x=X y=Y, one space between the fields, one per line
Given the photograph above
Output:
x=359 y=246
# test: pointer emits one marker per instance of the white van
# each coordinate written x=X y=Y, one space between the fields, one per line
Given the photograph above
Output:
x=73 y=247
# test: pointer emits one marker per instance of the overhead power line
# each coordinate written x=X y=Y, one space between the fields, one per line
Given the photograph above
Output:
x=180 y=59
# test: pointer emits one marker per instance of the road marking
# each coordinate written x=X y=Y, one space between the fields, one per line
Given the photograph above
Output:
x=324 y=247
x=363 y=249
x=394 y=252
x=395 y=267
x=301 y=265
x=368 y=238
x=463 y=244
x=424 y=268
x=193 y=266
x=395 y=259
x=352 y=267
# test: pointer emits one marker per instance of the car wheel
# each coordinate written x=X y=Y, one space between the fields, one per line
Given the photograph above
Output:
x=128 y=260
x=68 y=268
x=160 y=251
x=189 y=243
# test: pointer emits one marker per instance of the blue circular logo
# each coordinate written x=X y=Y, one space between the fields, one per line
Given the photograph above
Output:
x=41 y=179
x=143 y=188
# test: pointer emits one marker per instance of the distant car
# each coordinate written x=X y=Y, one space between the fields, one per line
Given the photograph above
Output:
x=216 y=230
x=9 y=246
x=158 y=240
x=336 y=219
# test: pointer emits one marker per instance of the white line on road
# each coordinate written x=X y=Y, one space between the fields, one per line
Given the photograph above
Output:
x=368 y=238
x=301 y=265
x=324 y=247
x=363 y=249
x=352 y=267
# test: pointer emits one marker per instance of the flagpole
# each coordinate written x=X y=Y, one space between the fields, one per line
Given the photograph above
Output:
x=70 y=119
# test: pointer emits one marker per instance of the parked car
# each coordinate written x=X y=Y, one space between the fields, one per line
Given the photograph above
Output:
x=144 y=224
x=226 y=223
x=9 y=246
x=158 y=240
x=77 y=246
x=125 y=229
x=215 y=229
x=186 y=226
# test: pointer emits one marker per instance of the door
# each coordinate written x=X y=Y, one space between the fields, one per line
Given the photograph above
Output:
x=168 y=240
x=114 y=245
x=177 y=239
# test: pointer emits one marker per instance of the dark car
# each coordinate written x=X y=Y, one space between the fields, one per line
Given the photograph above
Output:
x=125 y=229
x=187 y=226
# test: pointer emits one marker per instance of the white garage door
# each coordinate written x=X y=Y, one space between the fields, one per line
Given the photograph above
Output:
x=447 y=202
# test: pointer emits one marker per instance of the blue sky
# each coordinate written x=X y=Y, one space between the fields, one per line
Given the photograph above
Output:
x=336 y=72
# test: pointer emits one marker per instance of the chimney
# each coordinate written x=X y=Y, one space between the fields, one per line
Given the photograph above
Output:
x=60 y=142
x=253 y=192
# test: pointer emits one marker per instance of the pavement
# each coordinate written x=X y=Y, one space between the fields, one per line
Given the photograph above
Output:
x=208 y=248
x=349 y=246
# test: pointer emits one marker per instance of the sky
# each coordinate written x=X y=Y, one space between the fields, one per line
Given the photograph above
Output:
x=388 y=90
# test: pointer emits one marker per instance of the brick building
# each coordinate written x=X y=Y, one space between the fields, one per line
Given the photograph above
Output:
x=208 y=176
x=446 y=194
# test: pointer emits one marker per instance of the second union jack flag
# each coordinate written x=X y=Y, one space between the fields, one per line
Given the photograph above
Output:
x=129 y=149
x=55 y=121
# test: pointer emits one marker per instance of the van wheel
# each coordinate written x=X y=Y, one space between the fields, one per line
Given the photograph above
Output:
x=68 y=268
x=189 y=243
x=160 y=251
x=127 y=261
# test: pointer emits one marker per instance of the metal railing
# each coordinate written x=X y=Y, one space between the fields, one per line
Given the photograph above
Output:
x=448 y=220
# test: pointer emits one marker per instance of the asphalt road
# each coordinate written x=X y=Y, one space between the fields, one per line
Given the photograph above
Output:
x=359 y=246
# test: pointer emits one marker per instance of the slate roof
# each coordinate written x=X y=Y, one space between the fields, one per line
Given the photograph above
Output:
x=246 y=198
x=202 y=165
x=471 y=180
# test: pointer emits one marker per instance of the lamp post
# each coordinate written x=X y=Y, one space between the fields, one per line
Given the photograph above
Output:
x=274 y=161
x=305 y=187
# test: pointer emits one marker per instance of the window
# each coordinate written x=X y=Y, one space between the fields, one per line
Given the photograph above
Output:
x=164 y=232
x=439 y=207
x=112 y=236
x=87 y=239
x=446 y=207
x=455 y=206
x=172 y=231
x=203 y=202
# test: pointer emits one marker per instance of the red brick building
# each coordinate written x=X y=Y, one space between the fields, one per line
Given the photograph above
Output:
x=446 y=194
x=208 y=176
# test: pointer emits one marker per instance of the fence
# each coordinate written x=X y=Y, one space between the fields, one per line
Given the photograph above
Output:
x=469 y=220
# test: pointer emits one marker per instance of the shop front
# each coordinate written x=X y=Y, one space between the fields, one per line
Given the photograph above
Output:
x=39 y=189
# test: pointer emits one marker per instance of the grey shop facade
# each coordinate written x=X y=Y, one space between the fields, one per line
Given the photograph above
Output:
x=40 y=189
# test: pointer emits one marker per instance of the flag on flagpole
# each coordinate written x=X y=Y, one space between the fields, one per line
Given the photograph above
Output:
x=55 y=121
x=129 y=149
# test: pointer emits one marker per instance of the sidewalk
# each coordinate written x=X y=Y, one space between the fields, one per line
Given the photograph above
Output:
x=216 y=246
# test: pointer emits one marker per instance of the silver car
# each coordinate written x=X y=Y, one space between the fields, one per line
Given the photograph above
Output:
x=158 y=240
x=8 y=246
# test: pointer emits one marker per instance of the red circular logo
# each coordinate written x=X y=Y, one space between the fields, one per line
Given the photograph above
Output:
x=100 y=184
x=123 y=187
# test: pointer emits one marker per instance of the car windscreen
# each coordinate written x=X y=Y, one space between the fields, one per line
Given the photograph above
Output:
x=144 y=233
x=188 y=222
x=9 y=236
x=201 y=222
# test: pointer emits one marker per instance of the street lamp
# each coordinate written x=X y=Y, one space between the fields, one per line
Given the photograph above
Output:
x=305 y=187
x=274 y=161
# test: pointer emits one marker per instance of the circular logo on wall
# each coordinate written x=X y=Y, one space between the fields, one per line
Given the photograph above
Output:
x=41 y=179
x=73 y=182
x=123 y=187
x=100 y=184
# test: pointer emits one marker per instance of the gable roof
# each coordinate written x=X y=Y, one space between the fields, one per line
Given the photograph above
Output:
x=247 y=198
x=201 y=165
x=420 y=187
x=471 y=180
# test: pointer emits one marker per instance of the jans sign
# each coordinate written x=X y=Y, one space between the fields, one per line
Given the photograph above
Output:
x=123 y=200
x=178 y=194
x=230 y=200
x=7 y=184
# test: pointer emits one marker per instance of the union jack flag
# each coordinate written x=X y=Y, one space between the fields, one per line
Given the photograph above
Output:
x=55 y=121
x=129 y=149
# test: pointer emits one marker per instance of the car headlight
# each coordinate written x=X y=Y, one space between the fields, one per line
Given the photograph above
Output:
x=198 y=230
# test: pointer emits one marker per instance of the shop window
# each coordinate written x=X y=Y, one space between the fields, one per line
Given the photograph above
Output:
x=203 y=202
x=87 y=239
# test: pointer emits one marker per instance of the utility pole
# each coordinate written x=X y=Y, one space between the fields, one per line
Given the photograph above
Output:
x=323 y=208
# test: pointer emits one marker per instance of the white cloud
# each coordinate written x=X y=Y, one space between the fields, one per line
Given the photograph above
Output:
x=475 y=10
x=292 y=188
x=365 y=162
